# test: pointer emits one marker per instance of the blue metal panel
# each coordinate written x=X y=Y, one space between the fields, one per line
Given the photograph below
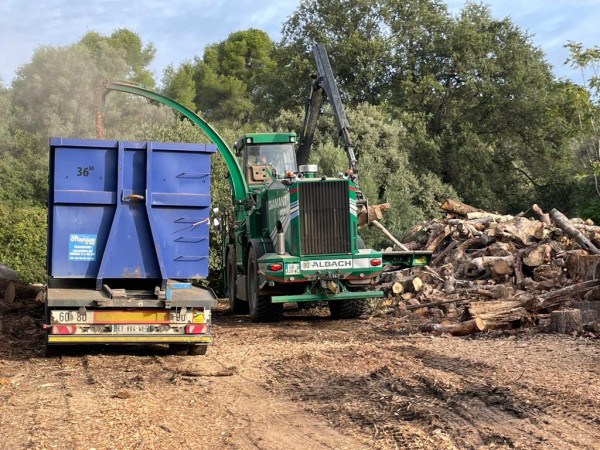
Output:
x=120 y=209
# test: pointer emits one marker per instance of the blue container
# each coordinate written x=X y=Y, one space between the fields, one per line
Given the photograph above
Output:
x=121 y=209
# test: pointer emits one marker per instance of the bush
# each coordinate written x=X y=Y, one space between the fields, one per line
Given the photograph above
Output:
x=23 y=241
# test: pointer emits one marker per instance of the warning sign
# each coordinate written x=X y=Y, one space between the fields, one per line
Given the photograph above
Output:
x=82 y=247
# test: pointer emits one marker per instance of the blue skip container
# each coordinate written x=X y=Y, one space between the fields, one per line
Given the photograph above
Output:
x=128 y=210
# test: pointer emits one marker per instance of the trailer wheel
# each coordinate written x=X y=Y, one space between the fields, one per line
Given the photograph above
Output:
x=179 y=349
x=198 y=349
x=261 y=308
x=348 y=309
x=236 y=306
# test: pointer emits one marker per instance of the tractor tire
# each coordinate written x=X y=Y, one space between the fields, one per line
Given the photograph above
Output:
x=353 y=307
x=236 y=305
x=348 y=309
x=199 y=349
x=261 y=308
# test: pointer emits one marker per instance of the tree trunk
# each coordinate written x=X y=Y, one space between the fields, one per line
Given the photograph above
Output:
x=545 y=218
x=9 y=293
x=498 y=313
x=458 y=329
x=565 y=224
x=437 y=237
x=500 y=265
x=538 y=256
x=457 y=207
x=566 y=321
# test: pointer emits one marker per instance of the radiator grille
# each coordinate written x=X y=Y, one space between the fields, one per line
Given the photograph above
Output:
x=324 y=217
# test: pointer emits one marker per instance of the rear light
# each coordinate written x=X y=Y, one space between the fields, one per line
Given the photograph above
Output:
x=196 y=328
x=275 y=267
x=63 y=329
x=375 y=262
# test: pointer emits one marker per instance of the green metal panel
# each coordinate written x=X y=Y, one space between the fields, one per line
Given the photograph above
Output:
x=268 y=138
x=238 y=182
x=322 y=297
x=407 y=259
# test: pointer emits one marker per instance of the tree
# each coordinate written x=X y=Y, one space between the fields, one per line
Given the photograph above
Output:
x=180 y=84
x=227 y=77
x=477 y=100
x=129 y=46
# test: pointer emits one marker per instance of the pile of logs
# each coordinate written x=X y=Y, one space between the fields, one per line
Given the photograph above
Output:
x=494 y=271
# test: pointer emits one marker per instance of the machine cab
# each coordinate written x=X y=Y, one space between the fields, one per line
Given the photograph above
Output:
x=266 y=156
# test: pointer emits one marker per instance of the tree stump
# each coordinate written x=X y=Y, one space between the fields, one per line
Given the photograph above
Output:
x=566 y=321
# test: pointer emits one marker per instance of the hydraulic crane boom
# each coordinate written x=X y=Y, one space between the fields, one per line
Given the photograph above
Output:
x=324 y=85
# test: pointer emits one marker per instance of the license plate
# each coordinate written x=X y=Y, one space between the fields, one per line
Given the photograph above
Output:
x=133 y=329
x=292 y=269
x=327 y=264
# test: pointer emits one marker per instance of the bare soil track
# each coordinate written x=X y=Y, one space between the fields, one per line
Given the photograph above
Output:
x=307 y=382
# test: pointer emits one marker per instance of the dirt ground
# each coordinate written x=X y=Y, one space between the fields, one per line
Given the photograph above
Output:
x=307 y=382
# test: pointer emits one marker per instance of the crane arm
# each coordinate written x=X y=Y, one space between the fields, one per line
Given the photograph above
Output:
x=238 y=182
x=324 y=85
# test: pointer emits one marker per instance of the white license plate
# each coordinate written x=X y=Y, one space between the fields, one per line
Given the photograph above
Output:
x=327 y=264
x=71 y=316
x=133 y=329
x=292 y=269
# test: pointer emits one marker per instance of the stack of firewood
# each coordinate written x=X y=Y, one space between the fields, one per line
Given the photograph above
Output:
x=491 y=271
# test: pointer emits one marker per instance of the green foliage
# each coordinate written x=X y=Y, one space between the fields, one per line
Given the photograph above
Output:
x=128 y=46
x=440 y=106
x=226 y=82
x=180 y=84
x=23 y=241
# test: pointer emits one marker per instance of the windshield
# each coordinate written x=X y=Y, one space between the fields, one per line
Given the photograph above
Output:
x=281 y=156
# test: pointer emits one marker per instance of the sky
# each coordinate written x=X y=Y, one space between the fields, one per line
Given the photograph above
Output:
x=179 y=29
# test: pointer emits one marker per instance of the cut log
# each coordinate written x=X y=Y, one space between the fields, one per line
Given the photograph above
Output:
x=566 y=321
x=391 y=237
x=538 y=255
x=467 y=230
x=449 y=285
x=523 y=230
x=579 y=262
x=497 y=292
x=431 y=304
x=485 y=215
x=518 y=268
x=593 y=326
x=588 y=309
x=441 y=255
x=548 y=272
x=437 y=237
x=574 y=288
x=500 y=249
x=564 y=224
x=457 y=207
x=458 y=329
x=415 y=285
x=9 y=293
x=559 y=296
x=460 y=250
x=500 y=265
x=545 y=218
x=498 y=313
x=392 y=288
